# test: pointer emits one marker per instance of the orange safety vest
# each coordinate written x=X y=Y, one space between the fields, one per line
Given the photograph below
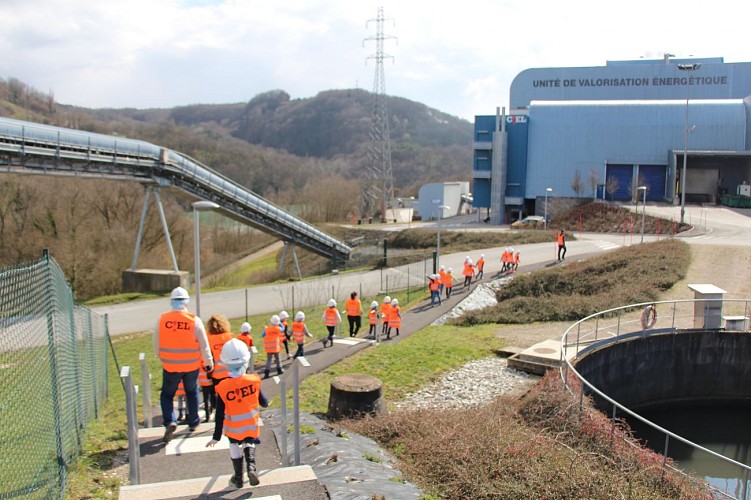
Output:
x=178 y=348
x=216 y=342
x=240 y=396
x=247 y=338
x=395 y=321
x=272 y=342
x=298 y=331
x=331 y=318
x=448 y=280
x=468 y=271
x=203 y=378
x=561 y=240
x=373 y=317
x=480 y=264
x=353 y=307
x=385 y=312
x=433 y=285
x=504 y=256
x=180 y=392
x=442 y=274
x=516 y=258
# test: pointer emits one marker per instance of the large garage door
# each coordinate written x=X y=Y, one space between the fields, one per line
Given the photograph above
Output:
x=618 y=182
x=653 y=176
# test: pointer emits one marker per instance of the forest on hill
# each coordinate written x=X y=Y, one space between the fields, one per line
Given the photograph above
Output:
x=306 y=155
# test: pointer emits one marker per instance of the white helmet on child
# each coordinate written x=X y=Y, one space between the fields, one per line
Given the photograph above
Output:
x=235 y=354
x=394 y=302
x=245 y=327
x=387 y=299
x=482 y=255
x=275 y=320
x=283 y=315
x=179 y=293
x=450 y=270
x=300 y=316
x=331 y=303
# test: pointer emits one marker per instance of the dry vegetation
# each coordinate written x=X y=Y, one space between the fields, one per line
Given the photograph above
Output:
x=598 y=217
x=542 y=446
x=631 y=275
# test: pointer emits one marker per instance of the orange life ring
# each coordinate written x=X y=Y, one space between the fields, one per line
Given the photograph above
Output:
x=649 y=317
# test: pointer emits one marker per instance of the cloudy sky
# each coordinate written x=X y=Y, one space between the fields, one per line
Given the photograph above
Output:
x=458 y=57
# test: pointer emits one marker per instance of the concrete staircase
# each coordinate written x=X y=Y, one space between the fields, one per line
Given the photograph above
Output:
x=537 y=359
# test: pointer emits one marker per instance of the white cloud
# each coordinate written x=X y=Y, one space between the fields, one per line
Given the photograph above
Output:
x=457 y=57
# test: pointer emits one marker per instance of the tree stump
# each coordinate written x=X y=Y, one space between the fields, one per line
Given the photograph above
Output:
x=355 y=394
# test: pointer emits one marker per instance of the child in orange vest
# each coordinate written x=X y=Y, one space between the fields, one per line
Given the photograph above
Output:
x=434 y=286
x=448 y=283
x=395 y=318
x=330 y=318
x=373 y=318
x=180 y=395
x=299 y=332
x=207 y=392
x=385 y=308
x=283 y=316
x=241 y=422
x=480 y=267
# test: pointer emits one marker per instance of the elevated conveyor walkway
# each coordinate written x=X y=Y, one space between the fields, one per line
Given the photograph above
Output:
x=32 y=148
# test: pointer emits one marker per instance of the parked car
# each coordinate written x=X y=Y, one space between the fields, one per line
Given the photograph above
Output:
x=531 y=222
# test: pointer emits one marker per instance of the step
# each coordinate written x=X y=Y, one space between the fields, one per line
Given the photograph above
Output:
x=204 y=486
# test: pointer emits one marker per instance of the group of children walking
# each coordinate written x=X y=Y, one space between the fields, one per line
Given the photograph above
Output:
x=510 y=260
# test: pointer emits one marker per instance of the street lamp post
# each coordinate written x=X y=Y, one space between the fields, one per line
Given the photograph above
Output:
x=643 y=208
x=545 y=221
x=197 y=206
x=685 y=67
x=438 y=235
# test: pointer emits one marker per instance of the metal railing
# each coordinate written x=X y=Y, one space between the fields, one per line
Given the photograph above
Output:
x=622 y=323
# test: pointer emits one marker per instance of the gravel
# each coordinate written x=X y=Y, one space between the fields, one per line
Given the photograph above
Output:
x=482 y=296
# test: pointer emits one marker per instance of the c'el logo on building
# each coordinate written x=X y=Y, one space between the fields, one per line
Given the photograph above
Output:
x=513 y=119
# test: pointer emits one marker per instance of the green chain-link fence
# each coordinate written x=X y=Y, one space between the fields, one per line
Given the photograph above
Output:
x=53 y=378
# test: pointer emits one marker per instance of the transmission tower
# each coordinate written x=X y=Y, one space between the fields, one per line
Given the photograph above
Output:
x=378 y=189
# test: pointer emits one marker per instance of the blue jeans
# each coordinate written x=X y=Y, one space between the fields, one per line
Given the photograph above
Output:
x=170 y=381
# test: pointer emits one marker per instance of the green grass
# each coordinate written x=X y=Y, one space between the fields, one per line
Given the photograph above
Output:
x=405 y=366
x=249 y=273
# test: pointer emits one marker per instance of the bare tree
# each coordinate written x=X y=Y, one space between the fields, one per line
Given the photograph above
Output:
x=593 y=179
x=611 y=186
x=577 y=185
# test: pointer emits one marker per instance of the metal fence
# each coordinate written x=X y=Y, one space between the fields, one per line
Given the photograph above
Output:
x=53 y=378
x=619 y=324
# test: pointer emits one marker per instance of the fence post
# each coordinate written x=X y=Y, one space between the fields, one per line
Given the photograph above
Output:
x=146 y=390
x=283 y=395
x=134 y=454
x=296 y=402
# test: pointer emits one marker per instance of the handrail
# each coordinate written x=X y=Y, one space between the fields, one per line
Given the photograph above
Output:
x=580 y=347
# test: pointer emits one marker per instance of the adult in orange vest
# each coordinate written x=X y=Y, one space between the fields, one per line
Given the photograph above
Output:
x=219 y=334
x=561 y=245
x=272 y=344
x=331 y=318
x=469 y=271
x=354 y=314
x=240 y=398
x=299 y=332
x=395 y=318
x=480 y=266
x=179 y=340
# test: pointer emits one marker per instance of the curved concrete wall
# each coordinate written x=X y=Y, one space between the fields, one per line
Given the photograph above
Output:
x=673 y=368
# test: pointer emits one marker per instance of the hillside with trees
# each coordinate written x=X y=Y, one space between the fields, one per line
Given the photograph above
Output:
x=306 y=155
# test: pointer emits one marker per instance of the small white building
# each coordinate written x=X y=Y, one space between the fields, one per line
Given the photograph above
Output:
x=452 y=195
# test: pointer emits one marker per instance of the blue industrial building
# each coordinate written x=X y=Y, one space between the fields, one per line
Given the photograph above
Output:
x=616 y=127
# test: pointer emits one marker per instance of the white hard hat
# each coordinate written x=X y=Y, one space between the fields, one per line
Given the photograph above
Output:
x=450 y=269
x=275 y=320
x=482 y=255
x=466 y=258
x=245 y=327
x=331 y=303
x=373 y=304
x=442 y=267
x=386 y=299
x=235 y=353
x=511 y=250
x=300 y=316
x=283 y=315
x=394 y=302
x=469 y=261
x=179 y=293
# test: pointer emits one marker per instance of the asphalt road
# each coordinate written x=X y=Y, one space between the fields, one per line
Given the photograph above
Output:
x=712 y=226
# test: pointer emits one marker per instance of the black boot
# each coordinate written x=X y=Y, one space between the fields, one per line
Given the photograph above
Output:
x=279 y=370
x=250 y=459
x=265 y=374
x=237 y=479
